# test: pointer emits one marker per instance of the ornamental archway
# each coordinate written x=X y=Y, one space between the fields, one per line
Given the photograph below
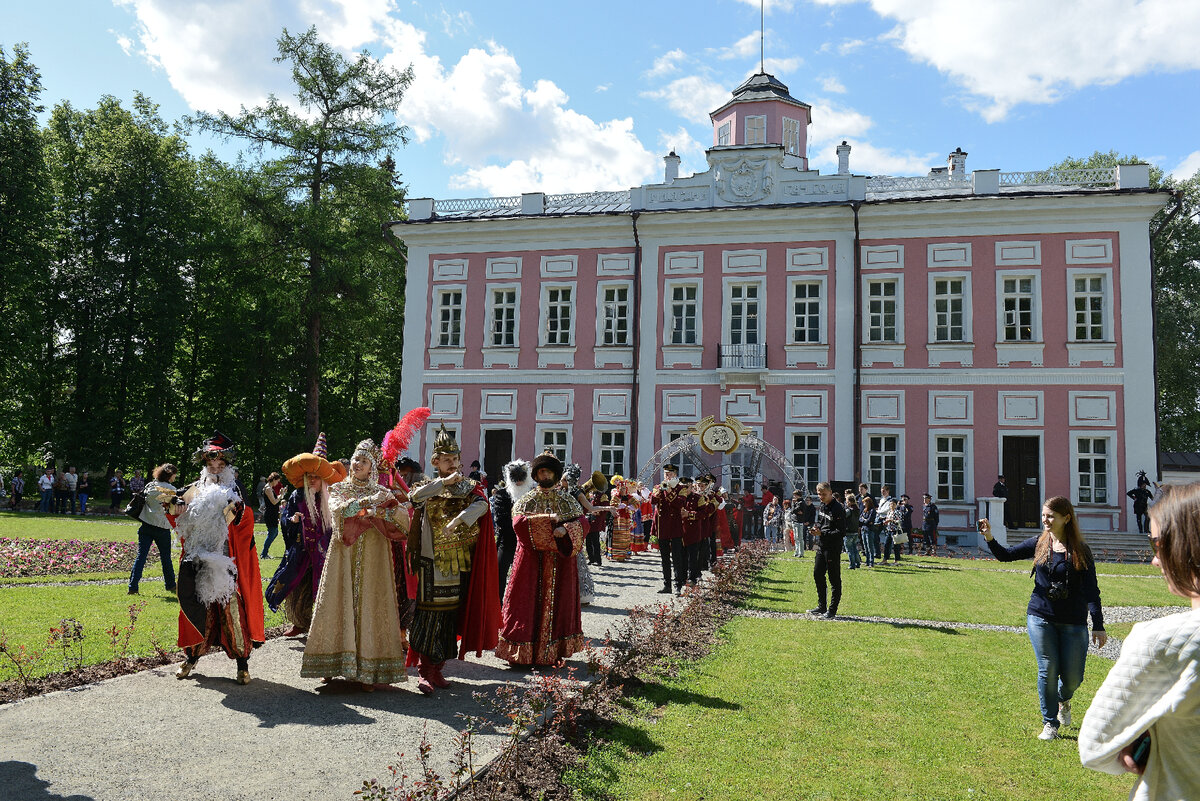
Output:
x=752 y=459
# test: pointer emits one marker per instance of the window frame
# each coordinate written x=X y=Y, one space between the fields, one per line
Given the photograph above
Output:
x=598 y=449
x=865 y=445
x=758 y=119
x=1035 y=308
x=898 y=280
x=728 y=285
x=602 y=320
x=822 y=284
x=540 y=431
x=1106 y=295
x=441 y=291
x=968 y=488
x=788 y=147
x=491 y=315
x=790 y=434
x=1109 y=468
x=725 y=133
x=544 y=315
x=669 y=288
x=968 y=323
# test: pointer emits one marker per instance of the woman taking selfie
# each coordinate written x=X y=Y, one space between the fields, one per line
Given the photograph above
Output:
x=1145 y=718
x=1064 y=593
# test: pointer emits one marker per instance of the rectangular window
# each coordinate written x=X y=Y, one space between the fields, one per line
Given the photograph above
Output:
x=1088 y=303
x=556 y=440
x=1093 y=470
x=743 y=314
x=881 y=310
x=950 y=458
x=687 y=469
x=504 y=318
x=683 y=314
x=1018 y=309
x=791 y=136
x=948 y=310
x=450 y=318
x=806 y=312
x=806 y=458
x=612 y=452
x=723 y=134
x=756 y=130
x=615 y=310
x=882 y=458
x=558 y=315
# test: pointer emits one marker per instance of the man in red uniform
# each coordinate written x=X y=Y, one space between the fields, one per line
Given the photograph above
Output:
x=219 y=587
x=693 y=529
x=667 y=501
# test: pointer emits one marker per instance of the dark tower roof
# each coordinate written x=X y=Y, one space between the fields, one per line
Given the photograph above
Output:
x=758 y=87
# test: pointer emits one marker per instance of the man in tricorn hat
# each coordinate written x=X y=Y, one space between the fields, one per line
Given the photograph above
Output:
x=219 y=585
x=452 y=550
x=541 y=619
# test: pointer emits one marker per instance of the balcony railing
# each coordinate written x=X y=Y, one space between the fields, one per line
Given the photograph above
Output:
x=742 y=357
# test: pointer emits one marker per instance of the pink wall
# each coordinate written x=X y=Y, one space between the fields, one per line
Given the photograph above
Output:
x=774 y=111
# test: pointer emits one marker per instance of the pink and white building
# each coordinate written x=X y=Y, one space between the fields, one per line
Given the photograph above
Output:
x=927 y=332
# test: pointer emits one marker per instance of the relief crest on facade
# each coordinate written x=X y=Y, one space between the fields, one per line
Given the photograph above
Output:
x=744 y=181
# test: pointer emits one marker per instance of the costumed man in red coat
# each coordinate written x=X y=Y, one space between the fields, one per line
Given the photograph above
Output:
x=541 y=620
x=668 y=499
x=693 y=530
x=452 y=551
x=219 y=587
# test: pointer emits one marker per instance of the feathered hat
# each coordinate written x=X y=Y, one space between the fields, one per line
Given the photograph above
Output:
x=398 y=439
x=316 y=464
x=216 y=445
x=444 y=444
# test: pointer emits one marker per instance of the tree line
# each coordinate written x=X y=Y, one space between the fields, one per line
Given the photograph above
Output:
x=149 y=295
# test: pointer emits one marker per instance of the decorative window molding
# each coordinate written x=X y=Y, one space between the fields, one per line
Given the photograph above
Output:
x=610 y=449
x=559 y=302
x=748 y=406
x=743 y=261
x=806 y=448
x=951 y=465
x=449 y=269
x=557 y=437
x=1092 y=408
x=1021 y=408
x=883 y=257
x=503 y=316
x=614 y=264
x=1019 y=254
x=447 y=403
x=791 y=136
x=1019 y=317
x=1090 y=329
x=556 y=404
x=611 y=405
x=948 y=254
x=951 y=408
x=505 y=268
x=723 y=133
x=683 y=262
x=756 y=129
x=1089 y=251
x=950 y=319
x=681 y=405
x=498 y=404
x=808 y=259
x=560 y=266
x=883 y=407
x=614 y=312
x=882 y=461
x=683 y=322
x=807 y=407
x=1092 y=468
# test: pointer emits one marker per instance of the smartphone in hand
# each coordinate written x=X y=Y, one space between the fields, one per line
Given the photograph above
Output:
x=1141 y=750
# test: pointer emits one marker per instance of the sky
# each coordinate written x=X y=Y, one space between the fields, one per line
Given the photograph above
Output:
x=513 y=96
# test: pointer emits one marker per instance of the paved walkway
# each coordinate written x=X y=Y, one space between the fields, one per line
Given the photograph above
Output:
x=151 y=736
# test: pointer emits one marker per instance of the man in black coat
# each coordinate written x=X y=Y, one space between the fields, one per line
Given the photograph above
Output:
x=828 y=531
x=516 y=483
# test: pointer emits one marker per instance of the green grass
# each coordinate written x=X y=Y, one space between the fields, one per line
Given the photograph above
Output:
x=965 y=595
x=798 y=709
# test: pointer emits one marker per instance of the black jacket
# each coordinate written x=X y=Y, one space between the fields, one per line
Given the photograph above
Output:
x=831 y=523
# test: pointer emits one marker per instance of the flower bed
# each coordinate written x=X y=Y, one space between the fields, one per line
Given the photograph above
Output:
x=21 y=557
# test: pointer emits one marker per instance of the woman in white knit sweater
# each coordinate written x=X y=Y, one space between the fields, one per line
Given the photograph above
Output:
x=1154 y=688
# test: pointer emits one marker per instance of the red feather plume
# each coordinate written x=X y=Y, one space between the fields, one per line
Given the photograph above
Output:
x=396 y=440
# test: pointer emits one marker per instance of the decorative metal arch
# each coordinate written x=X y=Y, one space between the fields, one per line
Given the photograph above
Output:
x=689 y=446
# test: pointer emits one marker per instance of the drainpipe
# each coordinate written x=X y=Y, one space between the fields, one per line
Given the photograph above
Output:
x=854 y=206
x=635 y=329
x=1178 y=195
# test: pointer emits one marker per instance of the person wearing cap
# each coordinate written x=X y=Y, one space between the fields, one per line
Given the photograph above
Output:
x=307 y=528
x=219 y=585
x=592 y=497
x=541 y=622
x=693 y=529
x=930 y=517
x=452 y=551
x=668 y=500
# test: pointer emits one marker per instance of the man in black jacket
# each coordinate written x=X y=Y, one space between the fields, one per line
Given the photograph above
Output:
x=827 y=532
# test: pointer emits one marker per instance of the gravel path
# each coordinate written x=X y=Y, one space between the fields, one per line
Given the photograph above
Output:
x=150 y=736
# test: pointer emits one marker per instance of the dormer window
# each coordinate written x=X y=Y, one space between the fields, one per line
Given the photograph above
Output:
x=791 y=136
x=756 y=130
x=723 y=134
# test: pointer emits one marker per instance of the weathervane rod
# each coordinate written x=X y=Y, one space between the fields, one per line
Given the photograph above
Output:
x=762 y=37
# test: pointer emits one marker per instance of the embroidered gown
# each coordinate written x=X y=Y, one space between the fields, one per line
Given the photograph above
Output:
x=355 y=629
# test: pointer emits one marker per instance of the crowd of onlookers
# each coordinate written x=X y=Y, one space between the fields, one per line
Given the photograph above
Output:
x=67 y=491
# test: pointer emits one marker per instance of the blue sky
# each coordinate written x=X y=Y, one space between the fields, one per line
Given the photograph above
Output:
x=514 y=97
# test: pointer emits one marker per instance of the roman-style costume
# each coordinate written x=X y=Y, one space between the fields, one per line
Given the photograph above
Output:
x=219 y=585
x=541 y=620
x=296 y=580
x=356 y=631
x=452 y=547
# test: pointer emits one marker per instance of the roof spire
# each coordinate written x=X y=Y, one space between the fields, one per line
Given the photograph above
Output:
x=762 y=36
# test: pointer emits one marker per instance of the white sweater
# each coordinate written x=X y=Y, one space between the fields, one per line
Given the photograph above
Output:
x=1154 y=686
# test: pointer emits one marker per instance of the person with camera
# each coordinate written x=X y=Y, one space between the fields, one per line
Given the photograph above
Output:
x=1145 y=717
x=1065 y=592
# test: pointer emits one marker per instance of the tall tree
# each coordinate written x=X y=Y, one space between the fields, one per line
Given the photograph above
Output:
x=322 y=156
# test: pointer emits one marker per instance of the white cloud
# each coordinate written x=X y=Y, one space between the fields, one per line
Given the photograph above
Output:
x=1188 y=167
x=689 y=150
x=667 y=63
x=691 y=97
x=749 y=45
x=833 y=123
x=830 y=83
x=123 y=42
x=603 y=87
x=454 y=24
x=1032 y=51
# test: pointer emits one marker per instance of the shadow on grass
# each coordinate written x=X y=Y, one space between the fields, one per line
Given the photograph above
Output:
x=941 y=628
x=663 y=694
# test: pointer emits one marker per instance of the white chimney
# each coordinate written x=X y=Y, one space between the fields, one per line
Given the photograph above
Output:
x=958 y=165
x=843 y=153
x=672 y=167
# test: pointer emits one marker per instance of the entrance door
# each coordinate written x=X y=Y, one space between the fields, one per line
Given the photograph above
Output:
x=497 y=452
x=1022 y=474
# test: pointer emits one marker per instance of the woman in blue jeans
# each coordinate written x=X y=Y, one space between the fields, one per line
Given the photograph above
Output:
x=155 y=529
x=1065 y=592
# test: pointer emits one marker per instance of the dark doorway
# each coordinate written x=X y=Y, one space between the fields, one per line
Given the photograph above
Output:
x=497 y=452
x=1022 y=474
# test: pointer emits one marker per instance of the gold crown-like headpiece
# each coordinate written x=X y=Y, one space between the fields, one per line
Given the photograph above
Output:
x=372 y=450
x=443 y=442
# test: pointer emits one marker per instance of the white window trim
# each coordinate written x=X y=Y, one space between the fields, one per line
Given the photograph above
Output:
x=968 y=468
x=602 y=429
x=727 y=285
x=823 y=450
x=799 y=353
x=679 y=257
x=686 y=468
x=1102 y=350
x=689 y=355
x=785 y=122
x=746 y=128
x=601 y=286
x=491 y=317
x=544 y=314
x=962 y=352
x=864 y=443
x=1020 y=350
x=1110 y=474
x=538 y=439
x=572 y=272
x=438 y=294
x=494 y=273
x=484 y=414
x=726 y=128
x=867 y=280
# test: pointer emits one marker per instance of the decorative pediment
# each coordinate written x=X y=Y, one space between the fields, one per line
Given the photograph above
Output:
x=744 y=180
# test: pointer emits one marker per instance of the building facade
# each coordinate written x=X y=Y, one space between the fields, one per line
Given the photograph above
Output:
x=929 y=333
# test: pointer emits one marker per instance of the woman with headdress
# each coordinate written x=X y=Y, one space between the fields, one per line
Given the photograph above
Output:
x=624 y=504
x=307 y=528
x=356 y=630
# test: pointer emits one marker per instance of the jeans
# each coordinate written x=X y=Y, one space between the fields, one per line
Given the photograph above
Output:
x=890 y=548
x=47 y=499
x=1060 y=650
x=153 y=535
x=851 y=543
x=772 y=533
x=83 y=496
x=870 y=544
x=272 y=533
